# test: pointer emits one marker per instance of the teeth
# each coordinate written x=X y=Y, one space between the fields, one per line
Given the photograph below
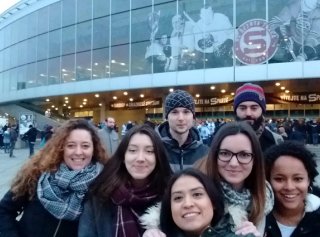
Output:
x=290 y=196
x=190 y=214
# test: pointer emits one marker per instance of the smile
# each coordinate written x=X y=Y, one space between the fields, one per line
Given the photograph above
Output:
x=190 y=214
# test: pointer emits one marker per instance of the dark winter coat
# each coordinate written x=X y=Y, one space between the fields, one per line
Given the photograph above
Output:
x=185 y=156
x=35 y=221
x=31 y=134
x=309 y=226
x=269 y=138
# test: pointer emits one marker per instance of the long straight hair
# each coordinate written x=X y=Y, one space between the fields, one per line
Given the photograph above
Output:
x=255 y=182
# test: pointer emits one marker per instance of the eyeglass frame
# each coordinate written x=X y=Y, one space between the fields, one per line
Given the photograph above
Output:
x=236 y=155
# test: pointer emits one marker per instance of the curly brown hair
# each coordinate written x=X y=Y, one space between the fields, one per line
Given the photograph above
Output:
x=49 y=158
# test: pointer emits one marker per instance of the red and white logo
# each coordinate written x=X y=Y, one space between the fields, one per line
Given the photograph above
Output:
x=255 y=43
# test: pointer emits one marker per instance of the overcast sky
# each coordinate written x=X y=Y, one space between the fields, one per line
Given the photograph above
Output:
x=5 y=4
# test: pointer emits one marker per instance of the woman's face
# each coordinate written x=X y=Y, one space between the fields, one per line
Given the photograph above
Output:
x=289 y=180
x=78 y=149
x=191 y=207
x=233 y=172
x=139 y=158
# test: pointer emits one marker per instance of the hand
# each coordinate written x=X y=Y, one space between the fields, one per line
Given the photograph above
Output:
x=153 y=233
x=247 y=227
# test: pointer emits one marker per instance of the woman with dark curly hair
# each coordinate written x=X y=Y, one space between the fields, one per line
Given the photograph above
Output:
x=50 y=188
x=291 y=170
x=134 y=179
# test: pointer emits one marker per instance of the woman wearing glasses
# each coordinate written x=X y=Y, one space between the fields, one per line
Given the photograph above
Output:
x=235 y=160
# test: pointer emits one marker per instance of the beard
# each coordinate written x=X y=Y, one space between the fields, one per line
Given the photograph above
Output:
x=256 y=122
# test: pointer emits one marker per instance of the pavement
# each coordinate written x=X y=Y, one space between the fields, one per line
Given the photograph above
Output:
x=10 y=166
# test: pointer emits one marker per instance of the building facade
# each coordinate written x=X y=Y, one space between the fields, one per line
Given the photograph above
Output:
x=68 y=47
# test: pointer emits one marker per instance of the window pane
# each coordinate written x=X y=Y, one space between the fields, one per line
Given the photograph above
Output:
x=68 y=69
x=42 y=73
x=101 y=8
x=119 y=61
x=54 y=71
x=120 y=29
x=119 y=6
x=31 y=75
x=43 y=23
x=32 y=49
x=32 y=24
x=140 y=64
x=42 y=50
x=55 y=16
x=101 y=32
x=68 y=12
x=54 y=43
x=100 y=63
x=141 y=3
x=83 y=66
x=84 y=10
x=84 y=36
x=68 y=40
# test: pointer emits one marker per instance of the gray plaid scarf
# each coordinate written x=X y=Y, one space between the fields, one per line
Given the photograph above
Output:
x=61 y=193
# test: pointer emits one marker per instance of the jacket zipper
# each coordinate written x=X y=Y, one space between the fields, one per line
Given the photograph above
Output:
x=57 y=229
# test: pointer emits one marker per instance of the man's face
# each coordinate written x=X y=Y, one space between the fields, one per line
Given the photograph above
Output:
x=180 y=120
x=110 y=123
x=251 y=112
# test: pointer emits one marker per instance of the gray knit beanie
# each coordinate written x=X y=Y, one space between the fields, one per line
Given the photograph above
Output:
x=179 y=98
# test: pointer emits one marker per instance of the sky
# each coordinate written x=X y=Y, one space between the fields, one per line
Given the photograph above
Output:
x=5 y=4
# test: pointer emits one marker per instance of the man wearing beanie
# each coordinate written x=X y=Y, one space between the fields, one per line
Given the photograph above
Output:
x=182 y=141
x=250 y=105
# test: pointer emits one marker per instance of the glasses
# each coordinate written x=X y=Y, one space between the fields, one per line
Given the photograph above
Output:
x=242 y=156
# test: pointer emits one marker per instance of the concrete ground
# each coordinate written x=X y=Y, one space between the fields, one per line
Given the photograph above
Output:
x=10 y=166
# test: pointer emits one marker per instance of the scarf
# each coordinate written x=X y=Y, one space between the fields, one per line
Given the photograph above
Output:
x=238 y=203
x=130 y=204
x=62 y=193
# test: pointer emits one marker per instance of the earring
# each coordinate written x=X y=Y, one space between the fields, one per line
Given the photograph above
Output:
x=310 y=189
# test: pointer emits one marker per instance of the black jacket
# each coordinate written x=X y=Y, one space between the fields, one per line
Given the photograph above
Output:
x=185 y=156
x=31 y=134
x=35 y=221
x=309 y=226
x=269 y=138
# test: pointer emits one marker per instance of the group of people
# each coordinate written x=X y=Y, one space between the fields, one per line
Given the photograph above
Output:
x=166 y=182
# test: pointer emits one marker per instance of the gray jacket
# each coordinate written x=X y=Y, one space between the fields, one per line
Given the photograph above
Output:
x=110 y=140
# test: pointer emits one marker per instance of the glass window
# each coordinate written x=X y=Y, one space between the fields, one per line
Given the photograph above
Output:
x=14 y=55
x=141 y=47
x=140 y=4
x=68 y=40
x=43 y=20
x=22 y=29
x=119 y=6
x=32 y=50
x=15 y=37
x=68 y=12
x=23 y=53
x=119 y=61
x=83 y=69
x=84 y=11
x=100 y=63
x=55 y=16
x=6 y=55
x=31 y=20
x=84 y=36
x=42 y=46
x=20 y=81
x=54 y=43
x=6 y=80
x=1 y=39
x=68 y=68
x=120 y=29
x=101 y=8
x=31 y=78
x=7 y=36
x=42 y=73
x=54 y=71
x=249 y=9
x=101 y=32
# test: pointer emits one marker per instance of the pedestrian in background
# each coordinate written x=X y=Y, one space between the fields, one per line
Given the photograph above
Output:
x=6 y=140
x=31 y=136
x=109 y=137
x=13 y=139
x=49 y=190
x=133 y=180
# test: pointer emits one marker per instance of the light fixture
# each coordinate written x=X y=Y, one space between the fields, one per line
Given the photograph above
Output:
x=69 y=107
x=66 y=98
x=277 y=83
x=131 y=99
x=282 y=88
x=212 y=87
x=85 y=99
x=171 y=90
x=47 y=99
x=287 y=91
x=84 y=102
x=197 y=95
x=64 y=105
x=232 y=93
x=52 y=106
x=125 y=93
x=56 y=108
x=114 y=97
x=141 y=95
x=81 y=106
x=223 y=91
x=97 y=95
x=100 y=104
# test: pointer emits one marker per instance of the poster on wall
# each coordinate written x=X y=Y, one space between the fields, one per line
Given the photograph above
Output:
x=24 y=121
